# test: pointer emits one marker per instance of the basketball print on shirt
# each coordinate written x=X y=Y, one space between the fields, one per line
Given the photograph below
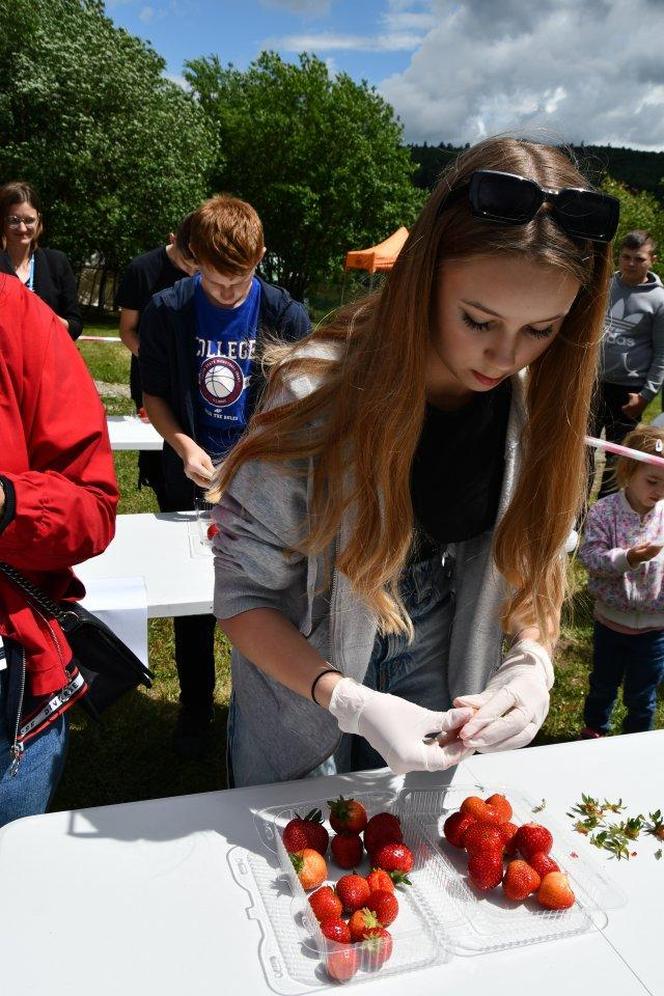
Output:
x=220 y=381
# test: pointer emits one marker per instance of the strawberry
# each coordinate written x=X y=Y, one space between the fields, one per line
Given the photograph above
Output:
x=310 y=867
x=360 y=922
x=485 y=871
x=342 y=963
x=347 y=815
x=379 y=879
x=520 y=880
x=376 y=948
x=455 y=826
x=508 y=830
x=347 y=849
x=394 y=858
x=531 y=838
x=336 y=929
x=477 y=808
x=555 y=893
x=383 y=828
x=385 y=905
x=306 y=831
x=212 y=530
x=353 y=891
x=483 y=838
x=543 y=863
x=500 y=807
x=325 y=903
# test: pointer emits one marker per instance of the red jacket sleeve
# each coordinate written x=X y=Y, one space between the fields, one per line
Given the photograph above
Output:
x=65 y=503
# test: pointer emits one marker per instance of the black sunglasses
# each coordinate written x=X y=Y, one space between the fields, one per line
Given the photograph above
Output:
x=515 y=200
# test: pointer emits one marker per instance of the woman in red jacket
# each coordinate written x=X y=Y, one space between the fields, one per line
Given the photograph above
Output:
x=58 y=497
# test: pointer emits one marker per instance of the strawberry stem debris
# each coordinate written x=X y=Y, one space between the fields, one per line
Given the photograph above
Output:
x=591 y=818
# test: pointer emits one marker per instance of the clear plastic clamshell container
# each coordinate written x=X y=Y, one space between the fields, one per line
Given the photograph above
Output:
x=440 y=915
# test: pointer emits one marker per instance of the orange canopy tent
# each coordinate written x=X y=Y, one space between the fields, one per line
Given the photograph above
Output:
x=377 y=258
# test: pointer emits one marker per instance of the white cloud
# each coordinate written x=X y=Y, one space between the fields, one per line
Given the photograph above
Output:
x=146 y=14
x=583 y=71
x=309 y=8
x=328 y=41
x=178 y=80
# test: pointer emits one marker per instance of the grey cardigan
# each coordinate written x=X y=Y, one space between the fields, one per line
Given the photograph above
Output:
x=262 y=517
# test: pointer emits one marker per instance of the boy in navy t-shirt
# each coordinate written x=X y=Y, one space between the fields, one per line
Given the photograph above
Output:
x=199 y=361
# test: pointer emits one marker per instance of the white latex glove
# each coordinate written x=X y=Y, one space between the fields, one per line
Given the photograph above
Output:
x=395 y=728
x=515 y=702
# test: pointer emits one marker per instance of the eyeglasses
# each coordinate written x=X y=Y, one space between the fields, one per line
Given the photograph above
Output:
x=515 y=200
x=13 y=221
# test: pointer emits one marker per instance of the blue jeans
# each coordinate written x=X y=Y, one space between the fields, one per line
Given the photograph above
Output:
x=636 y=662
x=29 y=791
x=416 y=672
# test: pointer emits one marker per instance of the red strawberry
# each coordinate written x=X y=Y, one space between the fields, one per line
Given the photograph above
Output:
x=336 y=929
x=212 y=530
x=325 y=903
x=477 y=808
x=543 y=863
x=508 y=830
x=353 y=891
x=555 y=893
x=385 y=905
x=347 y=815
x=501 y=807
x=455 y=826
x=310 y=868
x=347 y=849
x=394 y=858
x=342 y=963
x=520 y=880
x=383 y=828
x=306 y=831
x=379 y=879
x=485 y=871
x=376 y=949
x=531 y=838
x=483 y=838
x=361 y=922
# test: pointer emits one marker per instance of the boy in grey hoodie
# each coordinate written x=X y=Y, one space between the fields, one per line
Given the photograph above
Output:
x=632 y=361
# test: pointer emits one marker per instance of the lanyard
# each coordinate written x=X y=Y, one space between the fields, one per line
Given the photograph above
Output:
x=30 y=282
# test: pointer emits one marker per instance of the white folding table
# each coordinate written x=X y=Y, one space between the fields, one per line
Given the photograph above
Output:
x=129 y=432
x=141 y=898
x=170 y=550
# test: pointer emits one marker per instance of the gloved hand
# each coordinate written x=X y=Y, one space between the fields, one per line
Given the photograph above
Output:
x=515 y=702
x=395 y=728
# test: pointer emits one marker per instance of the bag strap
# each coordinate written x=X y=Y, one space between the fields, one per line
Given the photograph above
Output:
x=39 y=597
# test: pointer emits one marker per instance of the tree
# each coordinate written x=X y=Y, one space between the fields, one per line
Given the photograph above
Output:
x=320 y=159
x=637 y=210
x=117 y=152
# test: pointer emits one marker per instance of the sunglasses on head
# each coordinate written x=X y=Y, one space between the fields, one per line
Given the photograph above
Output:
x=515 y=200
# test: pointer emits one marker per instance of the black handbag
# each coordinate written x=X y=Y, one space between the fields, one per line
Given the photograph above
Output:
x=109 y=667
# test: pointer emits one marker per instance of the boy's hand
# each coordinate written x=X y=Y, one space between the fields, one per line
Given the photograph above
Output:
x=634 y=406
x=197 y=466
x=641 y=552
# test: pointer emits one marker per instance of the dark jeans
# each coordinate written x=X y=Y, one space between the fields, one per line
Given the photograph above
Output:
x=636 y=662
x=609 y=416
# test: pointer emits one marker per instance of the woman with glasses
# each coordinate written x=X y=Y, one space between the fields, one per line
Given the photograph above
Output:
x=45 y=271
x=389 y=565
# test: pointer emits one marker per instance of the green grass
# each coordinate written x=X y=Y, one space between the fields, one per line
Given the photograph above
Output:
x=128 y=756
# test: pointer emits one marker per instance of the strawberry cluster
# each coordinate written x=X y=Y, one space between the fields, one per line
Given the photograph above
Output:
x=356 y=912
x=483 y=828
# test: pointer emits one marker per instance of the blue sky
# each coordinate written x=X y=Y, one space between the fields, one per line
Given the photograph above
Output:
x=454 y=70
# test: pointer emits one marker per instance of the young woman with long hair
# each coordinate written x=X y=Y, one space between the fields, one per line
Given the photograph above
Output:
x=389 y=566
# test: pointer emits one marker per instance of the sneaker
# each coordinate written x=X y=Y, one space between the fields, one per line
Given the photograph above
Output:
x=587 y=733
x=191 y=737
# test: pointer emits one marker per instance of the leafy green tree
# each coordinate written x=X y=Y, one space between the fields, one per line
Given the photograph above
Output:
x=638 y=209
x=320 y=158
x=117 y=152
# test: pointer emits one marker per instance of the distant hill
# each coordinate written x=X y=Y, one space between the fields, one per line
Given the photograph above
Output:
x=638 y=170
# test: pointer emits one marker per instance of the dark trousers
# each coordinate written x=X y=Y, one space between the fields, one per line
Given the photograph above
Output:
x=194 y=651
x=609 y=417
x=636 y=662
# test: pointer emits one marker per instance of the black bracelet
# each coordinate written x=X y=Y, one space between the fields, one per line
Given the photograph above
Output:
x=328 y=670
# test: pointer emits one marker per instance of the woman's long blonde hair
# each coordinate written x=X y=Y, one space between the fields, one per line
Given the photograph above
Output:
x=367 y=413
